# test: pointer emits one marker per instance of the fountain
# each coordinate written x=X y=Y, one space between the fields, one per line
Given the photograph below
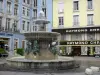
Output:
x=42 y=49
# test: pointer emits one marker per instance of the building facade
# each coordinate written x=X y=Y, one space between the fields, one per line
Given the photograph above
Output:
x=30 y=10
x=17 y=17
x=79 y=25
x=10 y=25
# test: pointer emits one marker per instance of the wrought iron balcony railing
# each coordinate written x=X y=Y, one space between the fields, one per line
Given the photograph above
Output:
x=11 y=30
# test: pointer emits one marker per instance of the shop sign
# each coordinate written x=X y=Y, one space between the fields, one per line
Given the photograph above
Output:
x=6 y=34
x=80 y=42
x=84 y=30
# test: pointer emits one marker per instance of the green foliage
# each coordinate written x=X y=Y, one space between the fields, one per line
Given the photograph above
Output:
x=20 y=51
x=2 y=51
x=63 y=49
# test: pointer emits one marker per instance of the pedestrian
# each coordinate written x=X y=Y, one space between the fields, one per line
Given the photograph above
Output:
x=60 y=52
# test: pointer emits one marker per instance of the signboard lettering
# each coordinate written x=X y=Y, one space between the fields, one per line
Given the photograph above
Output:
x=83 y=30
x=6 y=34
x=80 y=42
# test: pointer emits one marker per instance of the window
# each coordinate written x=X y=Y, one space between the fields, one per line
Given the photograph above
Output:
x=28 y=1
x=9 y=7
x=91 y=36
x=28 y=23
x=24 y=1
x=60 y=7
x=35 y=3
x=0 y=22
x=90 y=4
x=1 y=5
x=15 y=9
x=35 y=13
x=63 y=37
x=90 y=19
x=76 y=5
x=15 y=25
x=23 y=25
x=23 y=10
x=76 y=37
x=75 y=20
x=34 y=28
x=43 y=2
x=61 y=20
x=7 y=24
x=44 y=10
x=28 y=11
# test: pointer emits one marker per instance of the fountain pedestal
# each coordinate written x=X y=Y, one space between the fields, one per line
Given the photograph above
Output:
x=43 y=56
x=44 y=41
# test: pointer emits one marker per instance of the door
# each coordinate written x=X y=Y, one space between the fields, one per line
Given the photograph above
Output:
x=76 y=50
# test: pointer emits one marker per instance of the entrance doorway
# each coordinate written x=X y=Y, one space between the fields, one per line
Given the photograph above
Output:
x=76 y=50
x=4 y=43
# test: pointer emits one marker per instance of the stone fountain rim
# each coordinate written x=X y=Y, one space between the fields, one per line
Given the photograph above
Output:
x=42 y=32
x=17 y=59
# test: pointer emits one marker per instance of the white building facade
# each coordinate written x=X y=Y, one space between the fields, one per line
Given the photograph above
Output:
x=17 y=17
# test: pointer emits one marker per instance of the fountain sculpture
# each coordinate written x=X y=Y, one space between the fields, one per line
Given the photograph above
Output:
x=42 y=49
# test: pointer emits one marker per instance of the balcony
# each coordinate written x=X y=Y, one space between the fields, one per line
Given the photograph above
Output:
x=11 y=30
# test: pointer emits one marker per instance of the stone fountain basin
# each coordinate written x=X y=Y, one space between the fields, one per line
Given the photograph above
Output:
x=60 y=63
x=41 y=34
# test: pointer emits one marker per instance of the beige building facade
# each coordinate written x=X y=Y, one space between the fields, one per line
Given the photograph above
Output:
x=79 y=25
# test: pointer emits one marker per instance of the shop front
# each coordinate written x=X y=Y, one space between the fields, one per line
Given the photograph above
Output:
x=10 y=41
x=82 y=41
x=79 y=48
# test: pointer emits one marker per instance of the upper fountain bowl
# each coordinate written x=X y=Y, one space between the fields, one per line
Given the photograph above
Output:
x=41 y=18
